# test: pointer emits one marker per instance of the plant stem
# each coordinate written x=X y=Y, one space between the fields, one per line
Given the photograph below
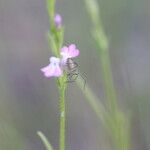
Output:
x=45 y=141
x=102 y=45
x=55 y=39
x=116 y=120
x=94 y=102
x=108 y=82
x=62 y=117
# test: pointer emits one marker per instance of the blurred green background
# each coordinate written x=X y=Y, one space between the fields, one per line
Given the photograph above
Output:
x=29 y=101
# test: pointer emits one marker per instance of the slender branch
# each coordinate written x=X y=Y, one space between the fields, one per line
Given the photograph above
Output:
x=62 y=117
x=55 y=39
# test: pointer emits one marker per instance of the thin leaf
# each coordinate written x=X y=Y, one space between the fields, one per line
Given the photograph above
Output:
x=45 y=141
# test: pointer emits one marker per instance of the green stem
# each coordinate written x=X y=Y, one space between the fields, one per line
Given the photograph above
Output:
x=62 y=114
x=115 y=119
x=108 y=82
x=55 y=39
x=45 y=141
x=102 y=45
x=94 y=101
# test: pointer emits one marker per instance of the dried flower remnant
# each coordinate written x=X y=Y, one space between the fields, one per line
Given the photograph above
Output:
x=58 y=20
x=53 y=69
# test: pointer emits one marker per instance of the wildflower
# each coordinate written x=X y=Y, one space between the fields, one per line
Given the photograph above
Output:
x=58 y=20
x=53 y=69
x=58 y=65
x=69 y=52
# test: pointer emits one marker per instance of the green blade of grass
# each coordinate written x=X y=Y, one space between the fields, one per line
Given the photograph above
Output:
x=45 y=141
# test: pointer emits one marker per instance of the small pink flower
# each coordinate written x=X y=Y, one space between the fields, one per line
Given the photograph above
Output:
x=53 y=69
x=58 y=20
x=69 y=52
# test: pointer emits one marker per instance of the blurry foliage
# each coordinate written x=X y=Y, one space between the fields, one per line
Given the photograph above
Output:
x=28 y=101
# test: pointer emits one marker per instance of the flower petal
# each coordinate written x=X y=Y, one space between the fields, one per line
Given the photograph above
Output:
x=53 y=69
x=72 y=47
x=70 y=51
x=48 y=70
x=57 y=72
x=74 y=53
x=64 y=49
x=54 y=60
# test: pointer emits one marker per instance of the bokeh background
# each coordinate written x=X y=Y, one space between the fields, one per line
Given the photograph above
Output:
x=29 y=101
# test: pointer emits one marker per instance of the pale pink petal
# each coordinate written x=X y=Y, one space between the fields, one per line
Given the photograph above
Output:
x=74 y=53
x=57 y=72
x=48 y=74
x=48 y=70
x=64 y=58
x=54 y=60
x=68 y=52
x=53 y=69
x=72 y=47
x=64 y=49
x=45 y=69
x=65 y=54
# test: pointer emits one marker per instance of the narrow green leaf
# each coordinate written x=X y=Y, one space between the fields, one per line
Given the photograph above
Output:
x=50 y=7
x=46 y=143
x=52 y=43
x=93 y=9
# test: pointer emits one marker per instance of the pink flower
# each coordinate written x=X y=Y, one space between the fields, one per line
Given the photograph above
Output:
x=53 y=69
x=69 y=52
x=56 y=66
x=58 y=20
